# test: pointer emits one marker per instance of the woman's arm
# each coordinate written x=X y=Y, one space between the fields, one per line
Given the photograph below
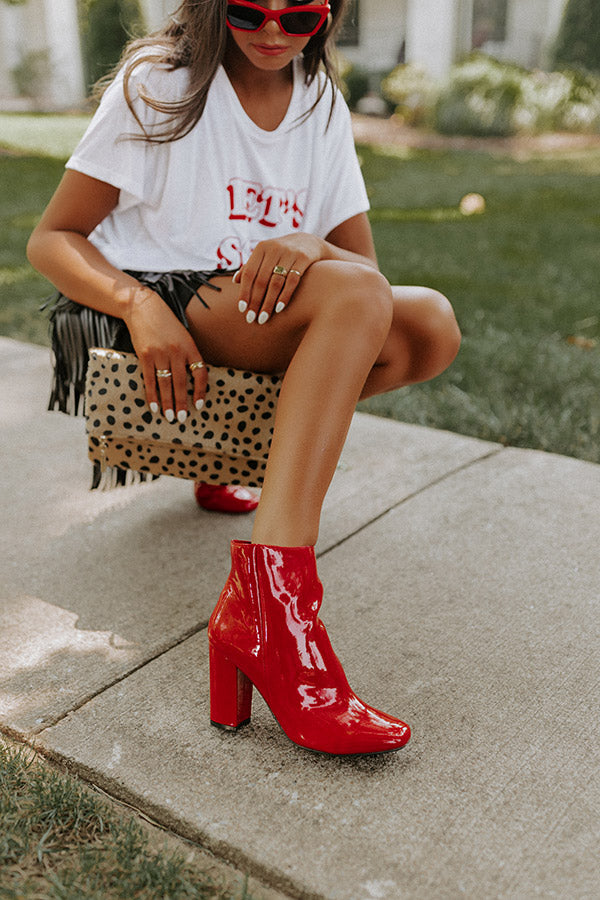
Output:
x=59 y=248
x=352 y=239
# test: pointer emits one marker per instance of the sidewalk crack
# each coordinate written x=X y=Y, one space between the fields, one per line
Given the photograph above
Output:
x=431 y=484
x=51 y=722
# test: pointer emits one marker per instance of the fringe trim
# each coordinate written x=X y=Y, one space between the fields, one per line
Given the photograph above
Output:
x=75 y=328
x=108 y=477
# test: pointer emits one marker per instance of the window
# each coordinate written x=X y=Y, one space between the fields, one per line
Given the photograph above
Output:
x=349 y=35
x=489 y=21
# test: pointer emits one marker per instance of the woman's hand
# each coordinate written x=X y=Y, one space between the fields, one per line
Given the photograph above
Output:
x=60 y=250
x=163 y=345
x=273 y=272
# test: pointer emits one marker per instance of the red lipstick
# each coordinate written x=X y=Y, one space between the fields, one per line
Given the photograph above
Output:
x=270 y=49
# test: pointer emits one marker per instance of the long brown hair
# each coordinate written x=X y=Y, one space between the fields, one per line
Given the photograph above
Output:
x=196 y=38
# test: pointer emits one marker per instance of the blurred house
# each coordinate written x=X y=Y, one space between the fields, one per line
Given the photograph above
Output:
x=433 y=34
x=40 y=55
x=41 y=63
x=40 y=51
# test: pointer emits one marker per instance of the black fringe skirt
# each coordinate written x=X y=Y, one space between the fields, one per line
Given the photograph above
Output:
x=75 y=328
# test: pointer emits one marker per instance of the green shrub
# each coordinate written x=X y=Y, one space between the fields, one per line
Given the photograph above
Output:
x=578 y=42
x=558 y=101
x=355 y=83
x=412 y=92
x=479 y=98
x=31 y=73
x=106 y=26
x=485 y=97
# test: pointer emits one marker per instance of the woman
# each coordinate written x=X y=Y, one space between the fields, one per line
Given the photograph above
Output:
x=222 y=148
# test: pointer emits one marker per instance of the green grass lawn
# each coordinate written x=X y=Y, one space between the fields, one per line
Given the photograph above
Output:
x=59 y=840
x=523 y=278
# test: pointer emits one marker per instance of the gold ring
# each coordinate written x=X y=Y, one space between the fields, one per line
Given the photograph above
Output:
x=196 y=365
x=279 y=270
x=295 y=272
x=163 y=373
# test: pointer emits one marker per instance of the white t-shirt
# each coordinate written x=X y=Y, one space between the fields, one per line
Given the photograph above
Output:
x=204 y=202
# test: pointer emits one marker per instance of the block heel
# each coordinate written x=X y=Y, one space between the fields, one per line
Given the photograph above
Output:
x=230 y=693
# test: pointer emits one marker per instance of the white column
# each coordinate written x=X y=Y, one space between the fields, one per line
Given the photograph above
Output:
x=463 y=43
x=431 y=35
x=382 y=32
x=532 y=30
x=556 y=11
x=11 y=26
x=554 y=19
x=156 y=12
x=67 y=86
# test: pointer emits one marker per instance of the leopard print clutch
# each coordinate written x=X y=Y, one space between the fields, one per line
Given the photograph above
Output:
x=227 y=442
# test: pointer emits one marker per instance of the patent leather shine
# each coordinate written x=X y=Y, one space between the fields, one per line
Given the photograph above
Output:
x=265 y=631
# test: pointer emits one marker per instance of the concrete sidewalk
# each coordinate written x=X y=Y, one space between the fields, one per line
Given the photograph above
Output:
x=462 y=592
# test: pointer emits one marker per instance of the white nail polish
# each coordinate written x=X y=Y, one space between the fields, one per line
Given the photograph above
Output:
x=169 y=415
x=236 y=276
x=199 y=404
x=181 y=416
x=242 y=306
x=264 y=317
x=154 y=407
x=250 y=317
x=280 y=307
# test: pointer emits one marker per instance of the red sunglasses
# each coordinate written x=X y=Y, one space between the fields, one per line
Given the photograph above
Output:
x=293 y=20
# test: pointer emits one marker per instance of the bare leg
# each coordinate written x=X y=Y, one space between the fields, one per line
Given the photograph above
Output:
x=264 y=630
x=327 y=341
x=346 y=335
x=422 y=342
x=320 y=391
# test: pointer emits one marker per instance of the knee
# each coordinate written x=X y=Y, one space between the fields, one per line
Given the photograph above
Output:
x=442 y=332
x=364 y=302
x=425 y=336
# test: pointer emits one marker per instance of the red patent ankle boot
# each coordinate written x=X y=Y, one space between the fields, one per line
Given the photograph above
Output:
x=227 y=498
x=265 y=632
